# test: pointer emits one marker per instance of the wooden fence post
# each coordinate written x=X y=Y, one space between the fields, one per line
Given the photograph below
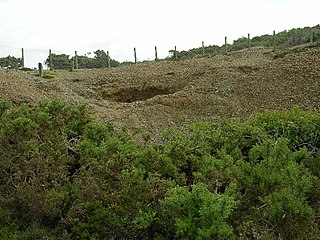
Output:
x=135 y=55
x=156 y=53
x=22 y=57
x=175 y=52
x=50 y=59
x=108 y=56
x=225 y=45
x=72 y=65
x=203 y=48
x=40 y=69
x=76 y=60
x=249 y=41
x=274 y=40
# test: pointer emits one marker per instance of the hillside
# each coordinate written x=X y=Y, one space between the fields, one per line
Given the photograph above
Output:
x=155 y=96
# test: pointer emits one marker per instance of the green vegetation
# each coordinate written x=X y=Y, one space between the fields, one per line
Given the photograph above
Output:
x=63 y=61
x=64 y=176
x=59 y=61
x=25 y=69
x=11 y=62
x=47 y=76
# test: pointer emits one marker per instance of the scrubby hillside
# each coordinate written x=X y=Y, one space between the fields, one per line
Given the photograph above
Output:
x=64 y=175
x=155 y=96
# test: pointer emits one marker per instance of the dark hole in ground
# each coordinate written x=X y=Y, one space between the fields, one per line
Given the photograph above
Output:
x=133 y=94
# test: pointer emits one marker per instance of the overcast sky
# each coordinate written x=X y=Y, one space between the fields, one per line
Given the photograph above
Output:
x=119 y=25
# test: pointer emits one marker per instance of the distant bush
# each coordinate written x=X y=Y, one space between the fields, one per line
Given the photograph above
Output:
x=47 y=76
x=125 y=63
x=64 y=176
x=25 y=69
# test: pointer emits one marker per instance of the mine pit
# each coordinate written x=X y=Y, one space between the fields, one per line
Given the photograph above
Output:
x=135 y=93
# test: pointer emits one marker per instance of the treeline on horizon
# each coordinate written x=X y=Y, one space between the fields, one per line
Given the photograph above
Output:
x=284 y=39
x=281 y=40
x=65 y=176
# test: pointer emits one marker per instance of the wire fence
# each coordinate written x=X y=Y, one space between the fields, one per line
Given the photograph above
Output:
x=30 y=58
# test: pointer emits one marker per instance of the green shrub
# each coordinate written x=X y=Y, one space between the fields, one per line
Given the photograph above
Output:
x=199 y=214
x=47 y=76
x=64 y=176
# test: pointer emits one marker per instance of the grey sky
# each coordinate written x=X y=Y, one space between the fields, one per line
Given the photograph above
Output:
x=120 y=25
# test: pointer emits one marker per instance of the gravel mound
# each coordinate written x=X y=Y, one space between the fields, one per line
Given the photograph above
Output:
x=18 y=87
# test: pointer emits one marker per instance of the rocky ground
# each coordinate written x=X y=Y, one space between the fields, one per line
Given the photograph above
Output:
x=154 y=96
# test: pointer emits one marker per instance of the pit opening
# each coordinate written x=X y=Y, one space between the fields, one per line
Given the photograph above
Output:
x=134 y=94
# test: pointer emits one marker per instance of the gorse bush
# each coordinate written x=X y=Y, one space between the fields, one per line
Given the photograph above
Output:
x=199 y=213
x=65 y=176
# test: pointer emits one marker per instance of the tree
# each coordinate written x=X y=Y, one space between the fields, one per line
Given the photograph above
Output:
x=63 y=61
x=11 y=62
x=59 y=61
x=101 y=60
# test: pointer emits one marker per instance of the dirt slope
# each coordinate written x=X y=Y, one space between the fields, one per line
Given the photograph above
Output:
x=18 y=87
x=154 y=96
